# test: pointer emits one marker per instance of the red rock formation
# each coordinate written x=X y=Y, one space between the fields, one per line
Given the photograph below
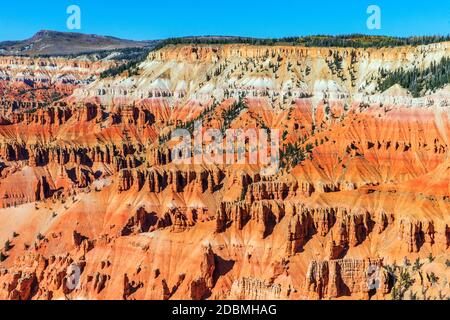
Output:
x=336 y=278
x=90 y=191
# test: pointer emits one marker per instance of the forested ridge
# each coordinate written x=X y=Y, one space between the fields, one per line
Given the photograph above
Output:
x=418 y=81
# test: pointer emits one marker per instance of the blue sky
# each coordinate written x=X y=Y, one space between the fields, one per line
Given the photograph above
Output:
x=156 y=19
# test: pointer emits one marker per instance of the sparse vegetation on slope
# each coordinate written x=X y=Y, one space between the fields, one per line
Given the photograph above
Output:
x=416 y=281
x=232 y=113
x=126 y=54
x=133 y=58
x=292 y=155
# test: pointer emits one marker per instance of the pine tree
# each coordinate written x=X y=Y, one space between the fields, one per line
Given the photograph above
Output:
x=8 y=245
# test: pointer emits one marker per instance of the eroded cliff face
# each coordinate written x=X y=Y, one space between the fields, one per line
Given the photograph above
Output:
x=32 y=83
x=280 y=74
x=90 y=193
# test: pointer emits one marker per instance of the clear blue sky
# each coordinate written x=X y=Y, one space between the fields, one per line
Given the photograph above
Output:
x=155 y=19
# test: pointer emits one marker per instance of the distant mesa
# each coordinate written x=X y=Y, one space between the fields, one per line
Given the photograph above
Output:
x=54 y=43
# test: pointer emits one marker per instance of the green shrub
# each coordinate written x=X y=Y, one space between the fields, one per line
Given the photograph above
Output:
x=3 y=257
x=433 y=278
x=417 y=265
x=8 y=245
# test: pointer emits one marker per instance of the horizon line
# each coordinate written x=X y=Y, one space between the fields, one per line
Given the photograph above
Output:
x=233 y=36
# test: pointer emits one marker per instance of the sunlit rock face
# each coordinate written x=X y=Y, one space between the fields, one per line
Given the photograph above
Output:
x=31 y=83
x=89 y=189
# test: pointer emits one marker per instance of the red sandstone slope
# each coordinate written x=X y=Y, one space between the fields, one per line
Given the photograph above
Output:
x=88 y=182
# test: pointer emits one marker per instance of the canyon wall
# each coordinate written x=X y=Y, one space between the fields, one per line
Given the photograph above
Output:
x=90 y=194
